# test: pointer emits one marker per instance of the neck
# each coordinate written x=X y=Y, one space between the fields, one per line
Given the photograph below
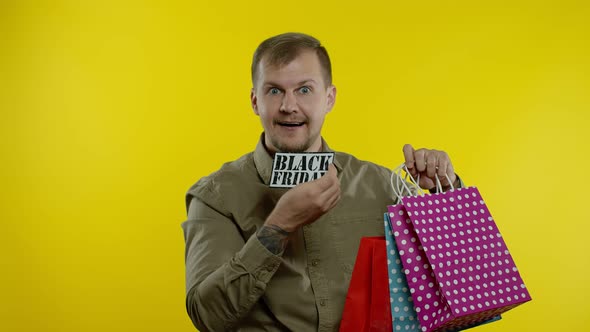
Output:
x=272 y=151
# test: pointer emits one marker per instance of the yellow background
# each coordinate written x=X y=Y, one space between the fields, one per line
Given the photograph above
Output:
x=110 y=110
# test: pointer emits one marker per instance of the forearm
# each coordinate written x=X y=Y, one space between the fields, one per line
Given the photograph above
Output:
x=226 y=276
x=273 y=238
x=225 y=296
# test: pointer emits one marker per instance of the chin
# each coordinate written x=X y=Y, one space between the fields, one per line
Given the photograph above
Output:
x=293 y=149
x=292 y=146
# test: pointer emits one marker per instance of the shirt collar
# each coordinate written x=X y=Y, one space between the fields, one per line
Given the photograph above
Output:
x=263 y=159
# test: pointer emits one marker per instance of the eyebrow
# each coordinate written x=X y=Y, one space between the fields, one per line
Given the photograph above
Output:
x=299 y=83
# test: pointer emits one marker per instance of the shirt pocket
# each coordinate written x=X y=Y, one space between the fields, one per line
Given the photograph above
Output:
x=346 y=236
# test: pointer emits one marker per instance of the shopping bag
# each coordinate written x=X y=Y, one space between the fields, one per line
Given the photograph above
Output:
x=367 y=308
x=403 y=315
x=457 y=265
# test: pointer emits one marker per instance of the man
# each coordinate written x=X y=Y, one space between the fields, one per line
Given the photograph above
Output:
x=268 y=259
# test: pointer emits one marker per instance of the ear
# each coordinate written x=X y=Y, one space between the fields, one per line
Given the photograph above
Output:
x=331 y=100
x=254 y=101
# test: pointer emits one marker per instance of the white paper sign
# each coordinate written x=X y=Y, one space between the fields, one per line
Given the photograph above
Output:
x=291 y=169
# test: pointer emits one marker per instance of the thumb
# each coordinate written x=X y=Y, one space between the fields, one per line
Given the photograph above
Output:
x=328 y=179
x=332 y=171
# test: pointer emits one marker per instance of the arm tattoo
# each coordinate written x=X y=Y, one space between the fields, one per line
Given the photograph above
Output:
x=273 y=238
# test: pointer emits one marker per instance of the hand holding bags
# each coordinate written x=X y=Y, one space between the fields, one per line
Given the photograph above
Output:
x=456 y=263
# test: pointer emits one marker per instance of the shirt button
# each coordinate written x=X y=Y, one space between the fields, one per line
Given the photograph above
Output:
x=315 y=262
x=322 y=302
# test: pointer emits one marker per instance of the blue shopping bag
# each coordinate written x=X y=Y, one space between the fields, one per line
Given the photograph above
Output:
x=403 y=315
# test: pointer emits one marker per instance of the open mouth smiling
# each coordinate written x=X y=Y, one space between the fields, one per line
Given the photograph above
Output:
x=290 y=124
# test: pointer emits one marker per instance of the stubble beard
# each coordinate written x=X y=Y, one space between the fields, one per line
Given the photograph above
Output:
x=283 y=147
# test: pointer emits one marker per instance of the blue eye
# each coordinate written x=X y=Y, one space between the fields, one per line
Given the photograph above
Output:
x=274 y=91
x=305 y=90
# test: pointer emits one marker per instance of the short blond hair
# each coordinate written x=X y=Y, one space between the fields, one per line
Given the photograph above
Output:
x=282 y=49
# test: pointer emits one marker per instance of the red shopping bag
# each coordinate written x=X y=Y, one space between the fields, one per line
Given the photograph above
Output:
x=367 y=305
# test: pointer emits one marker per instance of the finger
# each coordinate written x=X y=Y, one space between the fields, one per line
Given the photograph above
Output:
x=327 y=198
x=333 y=201
x=442 y=172
x=332 y=170
x=450 y=170
x=331 y=194
x=430 y=157
x=409 y=156
x=332 y=175
x=420 y=161
x=451 y=173
x=446 y=171
x=413 y=172
x=330 y=185
x=328 y=179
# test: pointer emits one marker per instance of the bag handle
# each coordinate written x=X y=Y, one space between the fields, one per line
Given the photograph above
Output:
x=403 y=183
x=439 y=188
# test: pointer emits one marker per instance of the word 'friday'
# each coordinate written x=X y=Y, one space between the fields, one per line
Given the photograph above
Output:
x=291 y=169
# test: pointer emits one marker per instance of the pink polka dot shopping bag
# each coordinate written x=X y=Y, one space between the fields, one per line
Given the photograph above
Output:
x=456 y=264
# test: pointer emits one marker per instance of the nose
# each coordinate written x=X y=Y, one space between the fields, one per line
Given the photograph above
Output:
x=289 y=103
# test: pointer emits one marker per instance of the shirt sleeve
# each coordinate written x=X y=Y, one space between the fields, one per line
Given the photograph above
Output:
x=225 y=273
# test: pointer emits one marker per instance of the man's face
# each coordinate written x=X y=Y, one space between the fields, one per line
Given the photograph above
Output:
x=292 y=101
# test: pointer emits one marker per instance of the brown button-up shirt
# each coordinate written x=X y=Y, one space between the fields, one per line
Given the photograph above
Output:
x=234 y=283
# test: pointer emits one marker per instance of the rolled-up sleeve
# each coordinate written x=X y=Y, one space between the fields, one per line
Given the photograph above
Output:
x=225 y=273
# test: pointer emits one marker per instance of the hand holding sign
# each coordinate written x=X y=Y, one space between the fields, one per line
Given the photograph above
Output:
x=427 y=163
x=306 y=202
